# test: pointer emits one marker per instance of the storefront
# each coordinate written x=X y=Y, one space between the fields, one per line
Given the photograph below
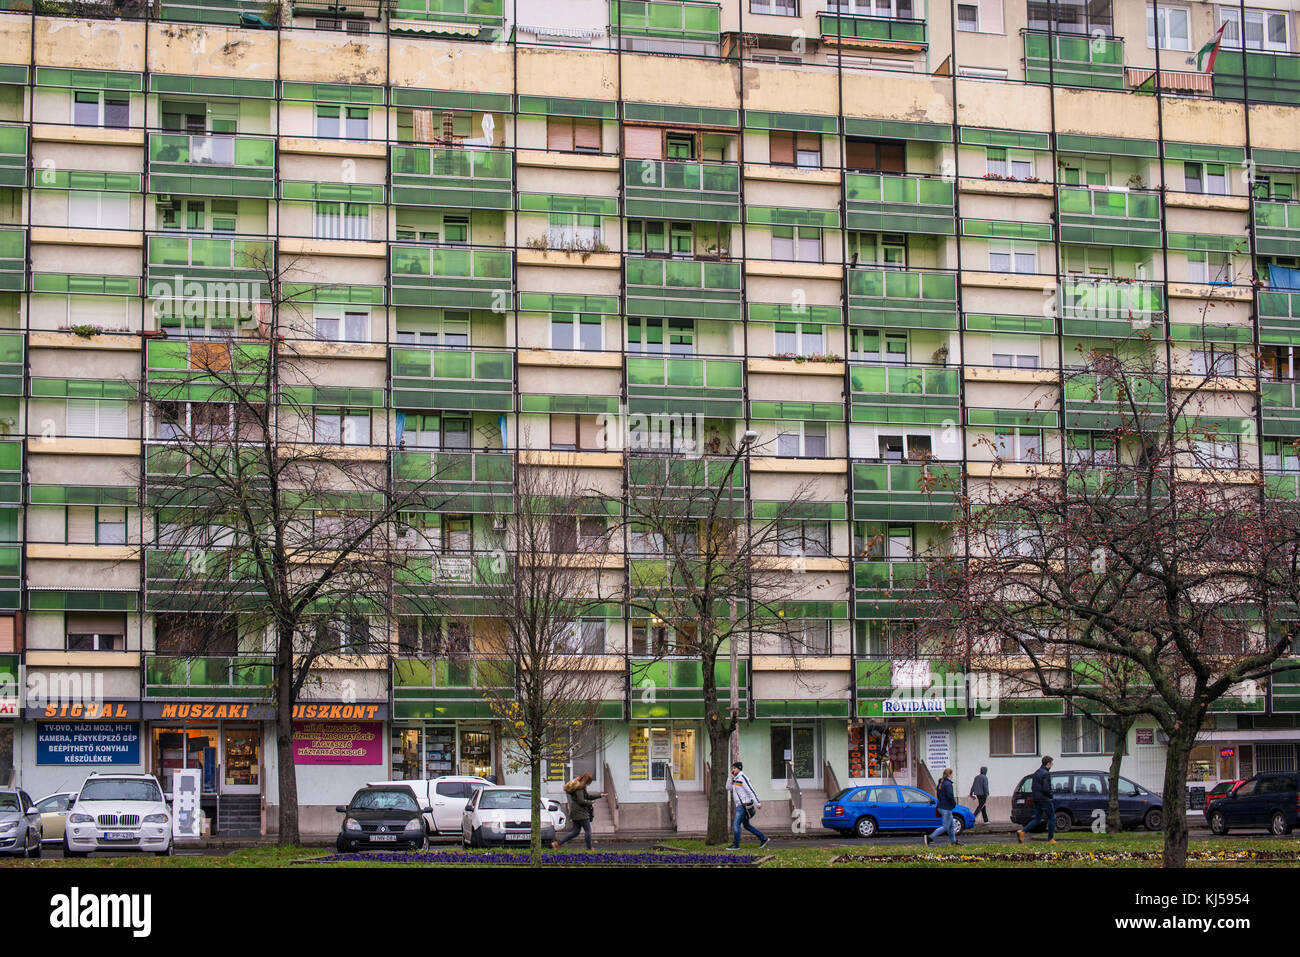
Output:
x=1259 y=744
x=659 y=747
x=430 y=749
x=62 y=744
x=878 y=751
x=9 y=708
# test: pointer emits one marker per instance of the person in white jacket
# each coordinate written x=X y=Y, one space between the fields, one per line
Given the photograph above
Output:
x=747 y=805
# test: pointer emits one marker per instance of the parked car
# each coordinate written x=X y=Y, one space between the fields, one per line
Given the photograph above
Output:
x=54 y=810
x=446 y=798
x=1078 y=795
x=118 y=812
x=867 y=810
x=1270 y=801
x=501 y=815
x=1217 y=793
x=20 y=824
x=384 y=816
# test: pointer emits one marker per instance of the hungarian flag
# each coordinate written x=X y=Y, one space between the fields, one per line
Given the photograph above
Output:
x=1211 y=48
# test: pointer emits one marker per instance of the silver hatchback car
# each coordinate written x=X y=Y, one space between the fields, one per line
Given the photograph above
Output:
x=20 y=824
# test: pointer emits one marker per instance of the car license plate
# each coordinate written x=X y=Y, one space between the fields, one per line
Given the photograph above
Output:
x=383 y=837
x=518 y=837
x=118 y=836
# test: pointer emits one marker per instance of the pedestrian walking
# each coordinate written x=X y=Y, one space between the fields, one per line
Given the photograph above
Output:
x=580 y=810
x=947 y=803
x=1044 y=804
x=747 y=805
x=979 y=790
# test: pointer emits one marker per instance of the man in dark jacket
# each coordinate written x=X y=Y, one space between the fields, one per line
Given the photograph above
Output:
x=1044 y=804
x=979 y=790
x=947 y=804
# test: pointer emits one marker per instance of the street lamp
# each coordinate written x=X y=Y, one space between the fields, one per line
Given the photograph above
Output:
x=746 y=440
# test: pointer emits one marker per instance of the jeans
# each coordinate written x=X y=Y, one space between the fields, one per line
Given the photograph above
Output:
x=740 y=820
x=945 y=827
x=574 y=828
x=1044 y=812
x=980 y=808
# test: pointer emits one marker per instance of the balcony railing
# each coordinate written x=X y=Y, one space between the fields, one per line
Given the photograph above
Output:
x=908 y=687
x=456 y=686
x=902 y=299
x=452 y=379
x=215 y=263
x=1280 y=408
x=678 y=687
x=201 y=371
x=700 y=22
x=1110 y=307
x=712 y=387
x=11 y=473
x=472 y=19
x=211 y=165
x=248 y=13
x=13 y=156
x=903 y=394
x=209 y=677
x=1094 y=402
x=1279 y=316
x=683 y=288
x=1109 y=217
x=12 y=363
x=464 y=482
x=452 y=178
x=1277 y=228
x=452 y=277
x=13 y=259
x=902 y=492
x=1096 y=62
x=1269 y=77
x=701 y=192
x=896 y=203
x=892 y=30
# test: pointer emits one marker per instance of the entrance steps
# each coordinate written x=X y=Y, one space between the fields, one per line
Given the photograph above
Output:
x=239 y=815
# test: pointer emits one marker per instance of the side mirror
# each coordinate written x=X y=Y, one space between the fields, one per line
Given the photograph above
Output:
x=341 y=809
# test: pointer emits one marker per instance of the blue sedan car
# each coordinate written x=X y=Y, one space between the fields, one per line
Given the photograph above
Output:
x=865 y=811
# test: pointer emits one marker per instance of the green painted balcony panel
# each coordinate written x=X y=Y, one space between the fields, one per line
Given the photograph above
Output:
x=425 y=16
x=904 y=394
x=452 y=278
x=1277 y=228
x=13 y=155
x=11 y=577
x=210 y=677
x=452 y=178
x=1284 y=688
x=889 y=203
x=232 y=13
x=202 y=371
x=13 y=350
x=892 y=29
x=699 y=22
x=700 y=192
x=897 y=299
x=1139 y=305
x=11 y=473
x=682 y=288
x=883 y=690
x=1095 y=62
x=1109 y=217
x=1280 y=408
x=452 y=379
x=211 y=165
x=1094 y=402
x=1279 y=317
x=175 y=260
x=13 y=259
x=459 y=678
x=712 y=387
x=1269 y=77
x=901 y=492
x=678 y=687
x=465 y=482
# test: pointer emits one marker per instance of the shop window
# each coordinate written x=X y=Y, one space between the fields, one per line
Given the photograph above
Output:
x=94 y=631
x=655 y=750
x=793 y=748
x=179 y=747
x=877 y=751
x=1013 y=737
x=571 y=134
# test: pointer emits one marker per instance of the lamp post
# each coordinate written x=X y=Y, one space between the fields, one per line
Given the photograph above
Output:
x=746 y=441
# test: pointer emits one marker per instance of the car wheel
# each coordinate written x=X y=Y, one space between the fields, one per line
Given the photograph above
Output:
x=1279 y=825
x=36 y=848
x=1154 y=820
x=166 y=852
x=865 y=827
x=958 y=825
x=421 y=844
x=69 y=852
x=341 y=845
x=476 y=837
x=1063 y=821
x=1218 y=824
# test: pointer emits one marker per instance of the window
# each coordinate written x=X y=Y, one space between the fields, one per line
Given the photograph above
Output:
x=434 y=430
x=797 y=244
x=447 y=328
x=658 y=237
x=680 y=146
x=795 y=149
x=343 y=122
x=1280 y=363
x=343 y=325
x=1013 y=258
x=806 y=439
x=968 y=17
x=585 y=637
x=651 y=335
x=1079 y=17
x=95 y=525
x=660 y=638
x=1265 y=29
x=897 y=448
x=872 y=345
x=1012 y=737
x=1281 y=455
x=571 y=134
x=102 y=109
x=810 y=637
x=798 y=339
x=881 y=540
x=1214 y=360
x=1171 y=24
x=572 y=230
x=1090 y=448
x=342 y=221
x=94 y=631
x=1009 y=353
x=776 y=8
x=1008 y=164
x=1018 y=445
x=93 y=210
x=884 y=638
x=893 y=9
x=883 y=249
x=1078 y=171
x=199 y=215
x=794 y=749
x=342 y=427
x=864 y=155
x=1213 y=269
x=577 y=331
x=348 y=635
x=803 y=539
x=96 y=419
x=1083 y=735
x=1218 y=452
x=576 y=433
x=1206 y=178
x=577 y=533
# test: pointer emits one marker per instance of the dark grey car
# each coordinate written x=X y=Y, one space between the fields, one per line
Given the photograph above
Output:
x=20 y=824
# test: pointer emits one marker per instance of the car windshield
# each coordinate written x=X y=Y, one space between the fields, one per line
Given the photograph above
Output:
x=8 y=802
x=384 y=801
x=121 y=790
x=497 y=800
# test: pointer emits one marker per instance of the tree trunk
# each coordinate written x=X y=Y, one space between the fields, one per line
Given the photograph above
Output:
x=1114 y=824
x=535 y=789
x=720 y=757
x=1175 y=792
x=287 y=773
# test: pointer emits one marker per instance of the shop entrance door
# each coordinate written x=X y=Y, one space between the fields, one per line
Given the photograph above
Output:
x=476 y=753
x=684 y=758
x=241 y=764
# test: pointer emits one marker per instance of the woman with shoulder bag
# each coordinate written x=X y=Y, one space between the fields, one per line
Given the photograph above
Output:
x=581 y=810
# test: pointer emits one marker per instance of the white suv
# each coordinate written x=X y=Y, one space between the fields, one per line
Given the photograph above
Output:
x=118 y=812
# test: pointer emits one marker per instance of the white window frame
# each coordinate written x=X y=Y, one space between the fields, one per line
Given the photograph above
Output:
x=1232 y=38
x=1017 y=255
x=336 y=323
x=799 y=432
x=1167 y=15
x=351 y=128
x=579 y=323
x=809 y=339
x=1014 y=444
x=883 y=354
x=1209 y=268
x=339 y=220
x=802 y=248
x=108 y=417
x=341 y=426
x=117 y=95
x=1016 y=164
x=110 y=210
x=448 y=323
x=774 y=8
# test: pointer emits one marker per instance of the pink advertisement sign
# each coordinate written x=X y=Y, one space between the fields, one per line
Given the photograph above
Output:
x=338 y=742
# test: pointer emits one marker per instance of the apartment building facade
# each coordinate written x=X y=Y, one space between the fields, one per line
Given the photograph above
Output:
x=874 y=232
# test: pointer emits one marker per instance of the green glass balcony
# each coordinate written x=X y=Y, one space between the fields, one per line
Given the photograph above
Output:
x=710 y=387
x=682 y=480
x=464 y=482
x=1096 y=62
x=13 y=259
x=904 y=394
x=682 y=288
x=211 y=165
x=1110 y=308
x=1280 y=408
x=12 y=363
x=456 y=687
x=897 y=299
x=351 y=9
x=700 y=22
x=701 y=192
x=1096 y=403
x=1279 y=317
x=881 y=692
x=232 y=13
x=11 y=577
x=891 y=29
x=210 y=678
x=452 y=278
x=1269 y=77
x=891 y=203
x=1277 y=228
x=13 y=155
x=11 y=473
x=452 y=178
x=457 y=18
x=1109 y=217
x=452 y=379
x=900 y=492
x=173 y=261
x=1284 y=688
x=176 y=579
x=202 y=371
x=675 y=688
